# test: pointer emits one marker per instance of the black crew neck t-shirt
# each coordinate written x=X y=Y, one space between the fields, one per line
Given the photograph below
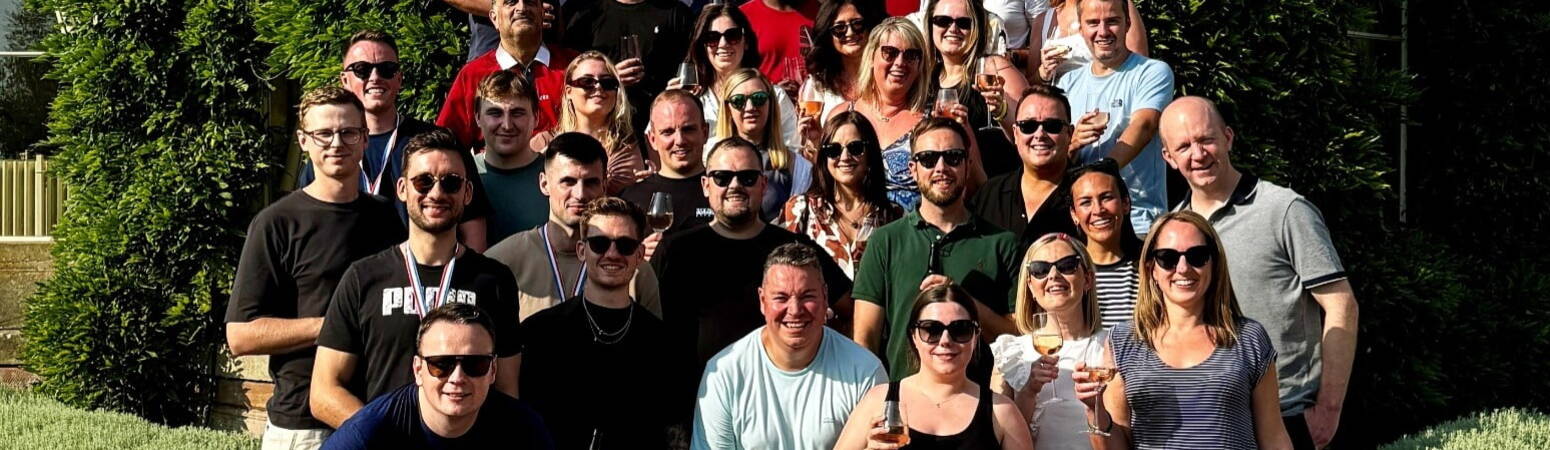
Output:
x=393 y=422
x=296 y=251
x=374 y=315
x=579 y=384
x=690 y=208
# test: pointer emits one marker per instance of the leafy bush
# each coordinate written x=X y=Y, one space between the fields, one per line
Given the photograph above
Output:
x=1497 y=430
x=33 y=421
x=158 y=124
x=309 y=38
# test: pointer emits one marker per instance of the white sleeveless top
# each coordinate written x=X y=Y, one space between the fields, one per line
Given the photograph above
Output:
x=1080 y=54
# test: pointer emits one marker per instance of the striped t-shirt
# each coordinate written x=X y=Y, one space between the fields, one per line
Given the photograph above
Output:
x=1209 y=405
x=1117 y=286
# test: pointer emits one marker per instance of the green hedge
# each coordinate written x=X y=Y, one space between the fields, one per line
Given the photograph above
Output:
x=36 y=422
x=158 y=125
x=1508 y=429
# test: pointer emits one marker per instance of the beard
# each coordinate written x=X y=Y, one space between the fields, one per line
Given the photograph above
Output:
x=434 y=226
x=943 y=198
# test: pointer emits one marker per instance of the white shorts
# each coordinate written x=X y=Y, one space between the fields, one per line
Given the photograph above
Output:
x=276 y=438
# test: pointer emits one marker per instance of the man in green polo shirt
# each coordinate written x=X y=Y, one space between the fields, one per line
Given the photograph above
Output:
x=969 y=251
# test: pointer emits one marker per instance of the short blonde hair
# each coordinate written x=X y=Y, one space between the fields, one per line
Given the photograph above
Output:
x=919 y=91
x=1027 y=305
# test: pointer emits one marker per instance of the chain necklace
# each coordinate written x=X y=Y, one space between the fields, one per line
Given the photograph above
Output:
x=605 y=337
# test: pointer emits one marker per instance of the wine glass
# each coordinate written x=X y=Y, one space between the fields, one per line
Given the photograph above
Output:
x=660 y=216
x=988 y=80
x=946 y=99
x=688 y=78
x=810 y=100
x=1046 y=334
x=1100 y=370
x=893 y=420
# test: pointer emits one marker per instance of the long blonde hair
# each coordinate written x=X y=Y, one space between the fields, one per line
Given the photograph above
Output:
x=773 y=144
x=1221 y=312
x=619 y=131
x=1027 y=305
x=919 y=91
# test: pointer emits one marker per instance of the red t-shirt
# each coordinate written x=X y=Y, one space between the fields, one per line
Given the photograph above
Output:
x=901 y=8
x=778 y=34
x=457 y=113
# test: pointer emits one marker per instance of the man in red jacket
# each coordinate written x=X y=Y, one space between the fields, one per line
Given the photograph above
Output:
x=520 y=23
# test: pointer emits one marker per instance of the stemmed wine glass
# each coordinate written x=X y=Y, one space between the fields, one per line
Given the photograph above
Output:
x=987 y=80
x=1100 y=370
x=660 y=216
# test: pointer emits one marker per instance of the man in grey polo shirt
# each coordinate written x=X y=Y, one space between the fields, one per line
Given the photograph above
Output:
x=1283 y=266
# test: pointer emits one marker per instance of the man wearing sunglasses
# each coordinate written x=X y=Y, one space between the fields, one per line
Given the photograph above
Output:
x=381 y=299
x=372 y=71
x=1033 y=200
x=295 y=250
x=1120 y=95
x=791 y=383
x=522 y=49
x=576 y=373
x=449 y=405
x=710 y=273
x=1284 y=268
x=544 y=260
x=941 y=242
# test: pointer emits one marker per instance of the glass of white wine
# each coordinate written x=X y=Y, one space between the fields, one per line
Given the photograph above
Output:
x=1099 y=370
x=1046 y=338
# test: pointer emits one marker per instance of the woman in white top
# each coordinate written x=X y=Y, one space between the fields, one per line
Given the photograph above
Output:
x=1056 y=278
x=1062 y=45
x=840 y=31
x=724 y=43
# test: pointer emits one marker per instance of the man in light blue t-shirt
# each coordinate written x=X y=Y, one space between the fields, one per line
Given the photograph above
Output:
x=1131 y=90
x=791 y=384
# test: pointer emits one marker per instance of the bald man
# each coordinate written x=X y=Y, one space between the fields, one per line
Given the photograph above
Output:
x=1284 y=268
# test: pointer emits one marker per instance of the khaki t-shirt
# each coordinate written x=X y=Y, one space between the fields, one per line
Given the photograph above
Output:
x=525 y=254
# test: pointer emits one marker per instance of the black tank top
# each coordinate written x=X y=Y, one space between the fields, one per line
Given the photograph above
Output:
x=980 y=435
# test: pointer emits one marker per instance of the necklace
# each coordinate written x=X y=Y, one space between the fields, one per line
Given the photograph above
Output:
x=887 y=117
x=606 y=337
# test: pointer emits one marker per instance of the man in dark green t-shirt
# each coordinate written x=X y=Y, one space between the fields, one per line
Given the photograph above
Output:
x=508 y=167
x=898 y=260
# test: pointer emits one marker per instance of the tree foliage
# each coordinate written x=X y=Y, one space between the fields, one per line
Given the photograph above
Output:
x=158 y=125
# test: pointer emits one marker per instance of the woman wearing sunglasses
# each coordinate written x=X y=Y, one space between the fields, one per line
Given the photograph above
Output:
x=592 y=105
x=1192 y=371
x=891 y=93
x=724 y=43
x=841 y=27
x=749 y=113
x=1055 y=283
x=986 y=83
x=940 y=406
x=1100 y=207
x=847 y=199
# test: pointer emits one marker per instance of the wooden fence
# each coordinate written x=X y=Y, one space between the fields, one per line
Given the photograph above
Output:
x=31 y=199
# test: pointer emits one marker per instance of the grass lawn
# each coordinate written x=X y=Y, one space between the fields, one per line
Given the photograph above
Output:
x=1504 y=429
x=29 y=421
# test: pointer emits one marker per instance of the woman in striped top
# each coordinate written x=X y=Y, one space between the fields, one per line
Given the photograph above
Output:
x=1100 y=207
x=1192 y=371
x=1056 y=278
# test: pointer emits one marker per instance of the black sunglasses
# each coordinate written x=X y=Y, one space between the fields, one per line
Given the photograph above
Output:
x=963 y=23
x=842 y=29
x=362 y=69
x=757 y=99
x=733 y=36
x=1066 y=265
x=1051 y=126
x=723 y=178
x=589 y=84
x=891 y=53
x=600 y=244
x=473 y=365
x=1197 y=256
x=835 y=150
x=928 y=158
x=450 y=183
x=961 y=331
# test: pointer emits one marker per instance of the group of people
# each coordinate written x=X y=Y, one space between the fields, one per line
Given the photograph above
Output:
x=788 y=224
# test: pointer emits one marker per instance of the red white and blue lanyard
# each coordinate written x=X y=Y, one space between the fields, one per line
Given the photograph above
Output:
x=421 y=298
x=559 y=283
x=374 y=184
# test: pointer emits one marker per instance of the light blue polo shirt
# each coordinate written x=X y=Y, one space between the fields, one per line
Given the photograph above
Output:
x=1140 y=83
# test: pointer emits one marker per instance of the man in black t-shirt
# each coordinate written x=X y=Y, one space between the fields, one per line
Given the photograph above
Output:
x=662 y=28
x=296 y=250
x=573 y=375
x=678 y=137
x=367 y=343
x=450 y=405
x=710 y=274
x=372 y=71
